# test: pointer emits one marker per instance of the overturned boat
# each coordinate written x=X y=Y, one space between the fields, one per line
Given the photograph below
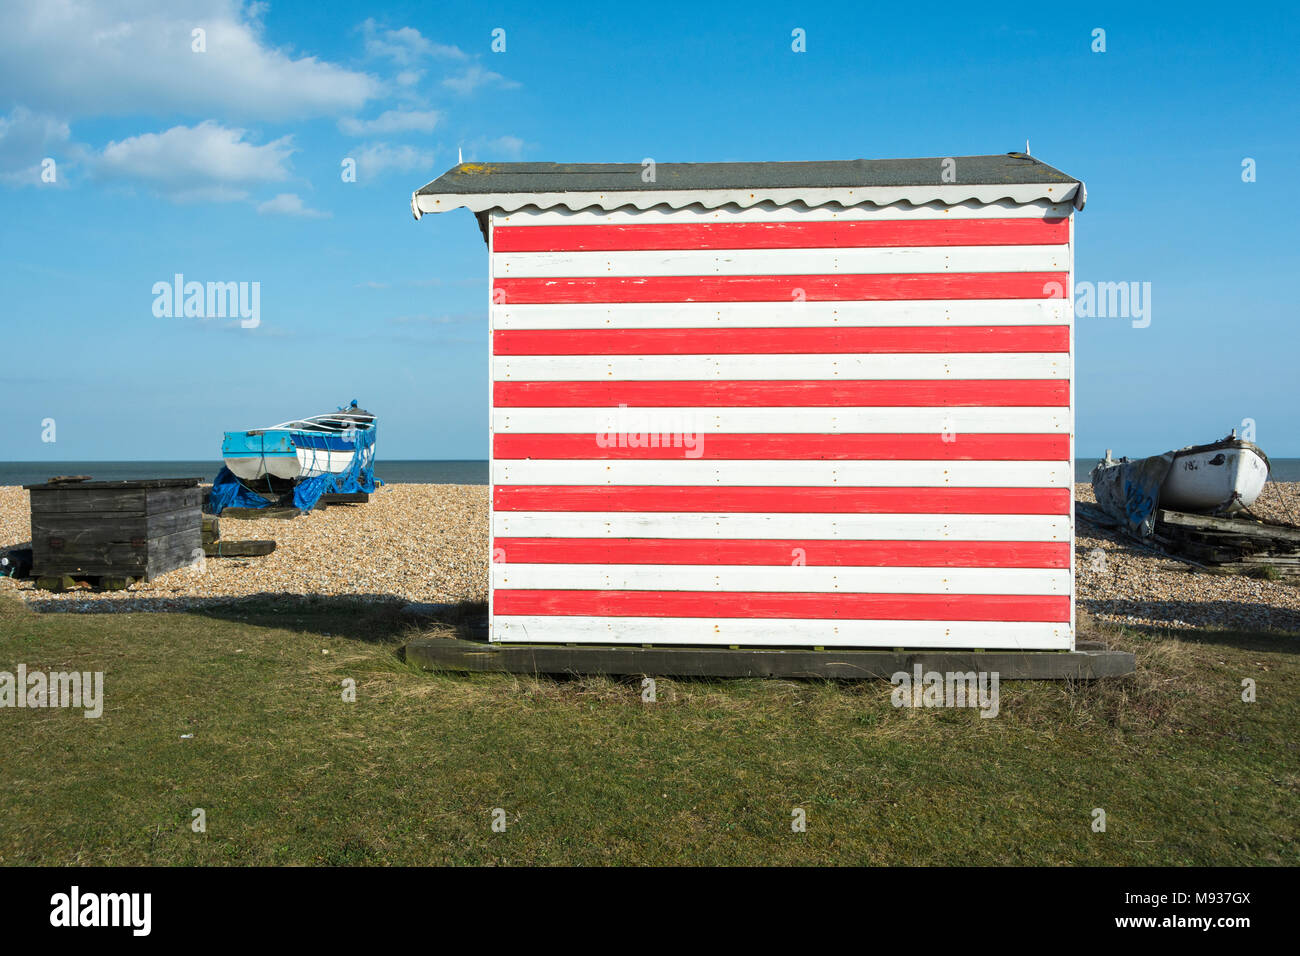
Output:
x=1221 y=478
x=297 y=461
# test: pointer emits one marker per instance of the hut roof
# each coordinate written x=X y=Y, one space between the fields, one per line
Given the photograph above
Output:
x=1013 y=177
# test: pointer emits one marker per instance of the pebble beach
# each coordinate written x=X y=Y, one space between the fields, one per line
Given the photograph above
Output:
x=1119 y=582
x=415 y=543
x=426 y=543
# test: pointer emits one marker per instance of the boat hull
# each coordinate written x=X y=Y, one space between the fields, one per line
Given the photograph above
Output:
x=1224 y=477
x=288 y=454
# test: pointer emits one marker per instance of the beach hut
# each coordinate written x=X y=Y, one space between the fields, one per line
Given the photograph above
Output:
x=815 y=404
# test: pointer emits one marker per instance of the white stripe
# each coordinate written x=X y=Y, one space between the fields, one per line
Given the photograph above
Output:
x=540 y=629
x=672 y=577
x=754 y=315
x=888 y=260
x=794 y=212
x=313 y=461
x=602 y=423
x=851 y=367
x=791 y=472
x=805 y=527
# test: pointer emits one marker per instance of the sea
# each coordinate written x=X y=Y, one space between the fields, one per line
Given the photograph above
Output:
x=394 y=472
x=432 y=472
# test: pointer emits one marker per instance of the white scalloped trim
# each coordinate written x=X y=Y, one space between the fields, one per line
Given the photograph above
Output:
x=744 y=198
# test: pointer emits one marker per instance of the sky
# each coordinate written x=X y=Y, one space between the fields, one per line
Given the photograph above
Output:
x=128 y=156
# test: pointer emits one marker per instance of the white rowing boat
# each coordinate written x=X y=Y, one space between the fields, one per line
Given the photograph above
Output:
x=1222 y=477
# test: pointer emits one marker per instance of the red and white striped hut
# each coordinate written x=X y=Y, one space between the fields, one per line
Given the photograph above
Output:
x=782 y=404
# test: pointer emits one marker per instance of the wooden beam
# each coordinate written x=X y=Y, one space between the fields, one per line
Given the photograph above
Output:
x=345 y=498
x=256 y=513
x=238 y=549
x=454 y=654
x=55 y=582
x=1236 y=526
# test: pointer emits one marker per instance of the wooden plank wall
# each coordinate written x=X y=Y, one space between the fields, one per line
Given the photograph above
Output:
x=783 y=426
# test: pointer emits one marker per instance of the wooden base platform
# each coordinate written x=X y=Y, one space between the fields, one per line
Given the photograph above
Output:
x=453 y=654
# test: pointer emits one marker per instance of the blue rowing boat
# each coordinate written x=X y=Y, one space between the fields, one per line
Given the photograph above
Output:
x=298 y=460
x=304 y=448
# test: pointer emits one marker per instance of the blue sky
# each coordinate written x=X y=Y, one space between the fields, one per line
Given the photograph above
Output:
x=226 y=166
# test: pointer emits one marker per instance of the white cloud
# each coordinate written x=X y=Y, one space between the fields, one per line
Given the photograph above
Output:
x=96 y=57
x=503 y=147
x=392 y=121
x=375 y=158
x=474 y=78
x=406 y=45
x=205 y=162
x=26 y=138
x=289 y=204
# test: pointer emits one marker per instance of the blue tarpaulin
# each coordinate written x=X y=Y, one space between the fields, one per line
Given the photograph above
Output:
x=359 y=476
x=228 y=492
x=1130 y=491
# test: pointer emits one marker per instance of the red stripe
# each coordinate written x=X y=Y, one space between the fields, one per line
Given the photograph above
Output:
x=817 y=553
x=777 y=604
x=807 y=341
x=756 y=447
x=782 y=235
x=812 y=288
x=927 y=393
x=782 y=500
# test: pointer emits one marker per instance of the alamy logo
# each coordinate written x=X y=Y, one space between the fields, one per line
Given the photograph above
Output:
x=212 y=300
x=1108 y=300
x=34 y=689
x=103 y=909
x=949 y=689
x=1114 y=300
x=652 y=428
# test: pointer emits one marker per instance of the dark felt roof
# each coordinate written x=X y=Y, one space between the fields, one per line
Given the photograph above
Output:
x=1006 y=169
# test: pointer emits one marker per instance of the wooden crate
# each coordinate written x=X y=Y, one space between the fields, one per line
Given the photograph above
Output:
x=137 y=529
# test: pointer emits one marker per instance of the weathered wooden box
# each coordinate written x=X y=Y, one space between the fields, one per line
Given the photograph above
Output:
x=136 y=529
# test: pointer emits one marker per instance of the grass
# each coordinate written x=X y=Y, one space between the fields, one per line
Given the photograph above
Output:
x=586 y=773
